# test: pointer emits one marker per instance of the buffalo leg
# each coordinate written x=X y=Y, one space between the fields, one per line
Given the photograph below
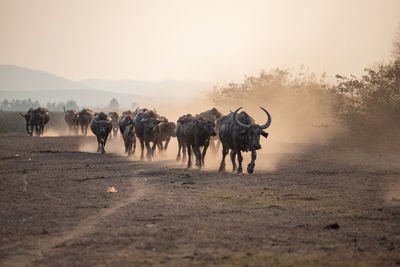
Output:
x=142 y=146
x=203 y=155
x=126 y=143
x=252 y=164
x=153 y=149
x=166 y=143
x=149 y=151
x=198 y=154
x=160 y=146
x=103 y=144
x=225 y=151
x=105 y=141
x=189 y=164
x=233 y=155
x=184 y=153
x=178 y=156
x=98 y=143
x=134 y=145
x=37 y=130
x=129 y=148
x=240 y=159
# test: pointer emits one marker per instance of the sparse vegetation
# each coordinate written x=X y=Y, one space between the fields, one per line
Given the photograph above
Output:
x=368 y=106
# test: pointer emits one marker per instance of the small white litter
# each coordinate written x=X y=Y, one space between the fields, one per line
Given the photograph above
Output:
x=112 y=190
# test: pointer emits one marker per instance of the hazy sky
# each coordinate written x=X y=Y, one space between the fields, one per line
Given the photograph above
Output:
x=195 y=40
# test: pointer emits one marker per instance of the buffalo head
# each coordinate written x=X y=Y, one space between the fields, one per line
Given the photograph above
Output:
x=29 y=120
x=171 y=126
x=151 y=124
x=208 y=126
x=252 y=131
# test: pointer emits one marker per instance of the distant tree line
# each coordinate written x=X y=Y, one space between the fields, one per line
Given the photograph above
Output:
x=26 y=104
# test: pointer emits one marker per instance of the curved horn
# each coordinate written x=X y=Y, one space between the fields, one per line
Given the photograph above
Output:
x=268 y=123
x=22 y=115
x=237 y=122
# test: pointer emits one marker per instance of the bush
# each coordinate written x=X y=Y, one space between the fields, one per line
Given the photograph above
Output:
x=370 y=106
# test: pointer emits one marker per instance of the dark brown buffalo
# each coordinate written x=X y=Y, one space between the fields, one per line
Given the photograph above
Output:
x=85 y=118
x=164 y=132
x=124 y=120
x=180 y=125
x=145 y=127
x=127 y=118
x=214 y=115
x=196 y=134
x=114 y=117
x=130 y=139
x=72 y=119
x=101 y=126
x=239 y=132
x=36 y=118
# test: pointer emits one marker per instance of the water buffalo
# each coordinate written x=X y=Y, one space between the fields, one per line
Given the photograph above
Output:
x=145 y=127
x=124 y=120
x=114 y=117
x=85 y=118
x=130 y=139
x=127 y=118
x=197 y=133
x=29 y=121
x=101 y=126
x=239 y=132
x=214 y=115
x=36 y=118
x=72 y=119
x=182 y=121
x=164 y=132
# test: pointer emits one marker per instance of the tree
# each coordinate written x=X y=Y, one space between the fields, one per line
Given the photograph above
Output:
x=60 y=106
x=71 y=104
x=114 y=105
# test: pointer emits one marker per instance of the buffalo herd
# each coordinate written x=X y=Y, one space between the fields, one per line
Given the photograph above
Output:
x=236 y=132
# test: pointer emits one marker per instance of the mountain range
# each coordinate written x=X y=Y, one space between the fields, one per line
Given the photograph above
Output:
x=22 y=83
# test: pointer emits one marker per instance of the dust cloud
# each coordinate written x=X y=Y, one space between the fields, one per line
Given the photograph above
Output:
x=297 y=122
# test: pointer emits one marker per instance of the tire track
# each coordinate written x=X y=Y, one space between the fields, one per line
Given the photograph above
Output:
x=44 y=245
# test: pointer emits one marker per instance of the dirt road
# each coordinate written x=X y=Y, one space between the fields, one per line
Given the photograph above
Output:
x=326 y=206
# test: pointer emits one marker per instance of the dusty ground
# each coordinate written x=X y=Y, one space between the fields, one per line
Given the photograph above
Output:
x=55 y=209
